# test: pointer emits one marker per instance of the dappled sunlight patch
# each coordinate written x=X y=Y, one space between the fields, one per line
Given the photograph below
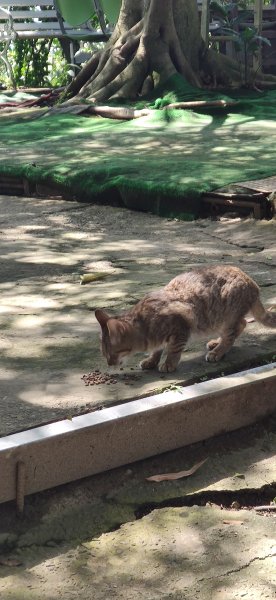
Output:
x=20 y=234
x=78 y=235
x=160 y=154
x=33 y=301
x=59 y=286
x=220 y=149
x=24 y=352
x=7 y=375
x=31 y=228
x=182 y=548
x=135 y=244
x=47 y=257
x=6 y=308
x=40 y=391
x=44 y=392
x=266 y=124
x=49 y=250
x=29 y=322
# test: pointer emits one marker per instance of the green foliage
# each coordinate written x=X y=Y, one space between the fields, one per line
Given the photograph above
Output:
x=247 y=41
x=58 y=68
x=31 y=61
x=36 y=63
x=39 y=63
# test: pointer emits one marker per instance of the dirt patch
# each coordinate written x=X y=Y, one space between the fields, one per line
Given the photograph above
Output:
x=117 y=535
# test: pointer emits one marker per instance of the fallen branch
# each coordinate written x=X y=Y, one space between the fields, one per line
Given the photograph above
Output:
x=266 y=507
x=118 y=112
x=202 y=103
x=123 y=113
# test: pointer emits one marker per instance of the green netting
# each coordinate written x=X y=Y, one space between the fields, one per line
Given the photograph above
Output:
x=161 y=163
x=177 y=89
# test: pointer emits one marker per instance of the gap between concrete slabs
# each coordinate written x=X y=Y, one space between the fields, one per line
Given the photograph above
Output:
x=68 y=450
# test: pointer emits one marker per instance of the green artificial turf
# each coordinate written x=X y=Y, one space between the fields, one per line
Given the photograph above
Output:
x=161 y=163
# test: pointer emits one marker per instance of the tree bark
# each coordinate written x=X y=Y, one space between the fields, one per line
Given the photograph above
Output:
x=153 y=40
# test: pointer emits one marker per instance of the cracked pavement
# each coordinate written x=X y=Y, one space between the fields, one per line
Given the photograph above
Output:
x=180 y=553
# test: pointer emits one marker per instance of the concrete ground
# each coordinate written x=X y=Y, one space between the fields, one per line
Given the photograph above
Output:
x=49 y=335
x=117 y=535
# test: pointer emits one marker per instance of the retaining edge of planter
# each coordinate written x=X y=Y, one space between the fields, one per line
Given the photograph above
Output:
x=57 y=453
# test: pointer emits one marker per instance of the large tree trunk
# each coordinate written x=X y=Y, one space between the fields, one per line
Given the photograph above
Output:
x=153 y=40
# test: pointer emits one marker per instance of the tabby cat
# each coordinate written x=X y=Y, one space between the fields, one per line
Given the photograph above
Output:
x=201 y=301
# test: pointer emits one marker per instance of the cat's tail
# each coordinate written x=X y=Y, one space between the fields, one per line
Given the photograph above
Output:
x=264 y=316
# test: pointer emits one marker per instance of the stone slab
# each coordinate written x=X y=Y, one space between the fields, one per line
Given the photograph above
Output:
x=44 y=252
x=196 y=553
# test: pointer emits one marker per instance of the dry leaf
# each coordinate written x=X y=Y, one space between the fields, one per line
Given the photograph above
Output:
x=232 y=522
x=172 y=476
x=10 y=562
x=89 y=277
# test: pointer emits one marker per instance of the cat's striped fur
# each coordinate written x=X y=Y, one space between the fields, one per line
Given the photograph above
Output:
x=204 y=301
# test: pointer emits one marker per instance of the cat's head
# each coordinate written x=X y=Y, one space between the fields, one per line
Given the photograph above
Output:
x=116 y=338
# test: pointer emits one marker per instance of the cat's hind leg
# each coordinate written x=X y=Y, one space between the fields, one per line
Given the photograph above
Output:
x=152 y=360
x=226 y=341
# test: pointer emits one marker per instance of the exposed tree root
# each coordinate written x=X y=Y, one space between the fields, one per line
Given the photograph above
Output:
x=129 y=60
x=148 y=46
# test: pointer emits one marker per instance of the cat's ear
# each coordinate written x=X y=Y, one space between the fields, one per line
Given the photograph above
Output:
x=102 y=317
x=116 y=329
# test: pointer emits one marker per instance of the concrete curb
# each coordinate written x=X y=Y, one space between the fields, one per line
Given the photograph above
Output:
x=68 y=450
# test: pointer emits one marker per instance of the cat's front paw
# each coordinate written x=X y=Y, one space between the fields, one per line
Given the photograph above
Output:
x=212 y=344
x=212 y=356
x=167 y=367
x=148 y=363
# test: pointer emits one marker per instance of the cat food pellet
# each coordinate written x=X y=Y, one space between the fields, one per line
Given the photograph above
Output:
x=98 y=378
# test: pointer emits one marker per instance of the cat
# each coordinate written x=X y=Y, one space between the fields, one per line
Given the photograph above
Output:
x=201 y=301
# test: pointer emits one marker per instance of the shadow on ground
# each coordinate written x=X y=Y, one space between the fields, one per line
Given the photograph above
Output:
x=193 y=542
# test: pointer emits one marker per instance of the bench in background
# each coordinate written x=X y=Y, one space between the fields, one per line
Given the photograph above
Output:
x=43 y=19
